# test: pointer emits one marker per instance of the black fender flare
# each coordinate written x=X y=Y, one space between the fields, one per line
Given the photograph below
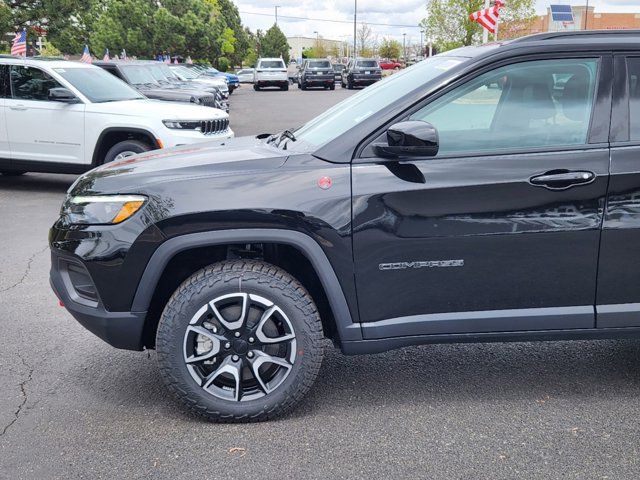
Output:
x=346 y=329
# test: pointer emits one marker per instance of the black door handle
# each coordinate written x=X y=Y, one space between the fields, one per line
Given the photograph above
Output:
x=562 y=179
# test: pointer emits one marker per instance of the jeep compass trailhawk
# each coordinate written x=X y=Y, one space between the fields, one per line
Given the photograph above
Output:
x=486 y=194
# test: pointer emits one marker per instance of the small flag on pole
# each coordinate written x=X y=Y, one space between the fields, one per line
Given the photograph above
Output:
x=19 y=45
x=106 y=55
x=189 y=61
x=123 y=54
x=488 y=17
x=86 y=55
x=167 y=59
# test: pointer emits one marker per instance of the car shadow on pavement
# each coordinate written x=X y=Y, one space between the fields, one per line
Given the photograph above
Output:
x=417 y=377
x=36 y=182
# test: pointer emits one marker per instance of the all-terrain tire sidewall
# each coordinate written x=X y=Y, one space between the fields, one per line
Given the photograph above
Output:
x=251 y=277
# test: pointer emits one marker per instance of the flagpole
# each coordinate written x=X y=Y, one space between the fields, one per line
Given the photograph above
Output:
x=485 y=32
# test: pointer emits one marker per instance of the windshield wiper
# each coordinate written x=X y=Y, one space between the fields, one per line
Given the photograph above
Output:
x=286 y=134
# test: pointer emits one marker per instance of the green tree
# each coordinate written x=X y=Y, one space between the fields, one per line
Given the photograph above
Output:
x=274 y=44
x=390 y=48
x=229 y=13
x=448 y=24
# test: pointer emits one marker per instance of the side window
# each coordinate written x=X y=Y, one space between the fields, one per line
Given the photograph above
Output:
x=633 y=72
x=541 y=103
x=28 y=83
x=4 y=81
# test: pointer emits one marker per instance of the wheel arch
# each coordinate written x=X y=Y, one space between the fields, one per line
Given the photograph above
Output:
x=112 y=135
x=344 y=328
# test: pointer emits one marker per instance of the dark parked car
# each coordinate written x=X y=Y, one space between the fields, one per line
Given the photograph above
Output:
x=316 y=72
x=138 y=75
x=338 y=69
x=487 y=194
x=360 y=73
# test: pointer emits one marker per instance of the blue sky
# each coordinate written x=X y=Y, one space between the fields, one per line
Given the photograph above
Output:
x=396 y=12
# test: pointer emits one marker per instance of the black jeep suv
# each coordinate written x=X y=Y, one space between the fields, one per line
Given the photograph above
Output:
x=317 y=72
x=486 y=194
x=360 y=73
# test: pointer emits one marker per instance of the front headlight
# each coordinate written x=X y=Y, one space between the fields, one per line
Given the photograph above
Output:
x=101 y=209
x=182 y=124
x=195 y=100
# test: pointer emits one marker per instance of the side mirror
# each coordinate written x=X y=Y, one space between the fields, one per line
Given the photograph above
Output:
x=60 y=94
x=413 y=138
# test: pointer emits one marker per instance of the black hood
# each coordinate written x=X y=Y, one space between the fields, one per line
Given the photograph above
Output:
x=236 y=156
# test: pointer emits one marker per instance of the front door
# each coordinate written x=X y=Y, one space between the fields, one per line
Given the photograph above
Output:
x=39 y=129
x=499 y=231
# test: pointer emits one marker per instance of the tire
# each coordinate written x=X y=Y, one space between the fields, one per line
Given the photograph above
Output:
x=303 y=86
x=285 y=87
x=349 y=85
x=332 y=86
x=252 y=287
x=256 y=88
x=125 y=149
x=12 y=173
x=342 y=84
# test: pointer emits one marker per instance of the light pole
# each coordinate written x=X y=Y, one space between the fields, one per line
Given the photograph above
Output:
x=421 y=45
x=355 y=16
x=404 y=47
x=277 y=14
x=586 y=14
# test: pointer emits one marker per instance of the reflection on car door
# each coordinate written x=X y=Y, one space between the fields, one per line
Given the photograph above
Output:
x=39 y=129
x=500 y=231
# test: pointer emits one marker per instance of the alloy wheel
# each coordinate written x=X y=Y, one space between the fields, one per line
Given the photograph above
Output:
x=239 y=347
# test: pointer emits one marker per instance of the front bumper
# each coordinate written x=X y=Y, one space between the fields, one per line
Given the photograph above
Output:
x=120 y=329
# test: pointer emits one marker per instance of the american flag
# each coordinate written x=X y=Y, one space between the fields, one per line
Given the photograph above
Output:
x=86 y=55
x=19 y=45
x=488 y=17
x=106 y=55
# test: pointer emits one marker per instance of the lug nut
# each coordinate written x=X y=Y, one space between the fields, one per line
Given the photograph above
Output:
x=235 y=358
x=251 y=339
x=227 y=345
x=250 y=354
x=237 y=334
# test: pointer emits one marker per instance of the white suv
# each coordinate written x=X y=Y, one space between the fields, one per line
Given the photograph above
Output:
x=271 y=72
x=68 y=117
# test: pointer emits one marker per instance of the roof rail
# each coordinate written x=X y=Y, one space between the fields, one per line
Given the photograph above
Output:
x=579 y=33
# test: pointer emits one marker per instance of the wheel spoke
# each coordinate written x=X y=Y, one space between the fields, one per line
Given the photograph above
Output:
x=215 y=339
x=239 y=322
x=233 y=369
x=265 y=318
x=262 y=358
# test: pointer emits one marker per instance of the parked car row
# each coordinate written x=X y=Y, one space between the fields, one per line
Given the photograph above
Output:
x=67 y=117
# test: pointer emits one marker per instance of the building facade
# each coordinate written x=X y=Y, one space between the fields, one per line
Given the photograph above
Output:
x=297 y=45
x=583 y=18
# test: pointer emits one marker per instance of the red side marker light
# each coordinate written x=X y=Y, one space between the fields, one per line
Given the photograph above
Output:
x=60 y=303
x=325 y=182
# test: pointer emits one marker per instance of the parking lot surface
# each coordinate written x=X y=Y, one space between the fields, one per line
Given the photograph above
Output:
x=73 y=407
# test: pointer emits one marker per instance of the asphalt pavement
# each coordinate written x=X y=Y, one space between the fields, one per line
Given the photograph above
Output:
x=73 y=407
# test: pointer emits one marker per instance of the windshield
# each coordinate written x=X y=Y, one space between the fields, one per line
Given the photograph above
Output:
x=319 y=64
x=98 y=85
x=350 y=112
x=367 y=63
x=157 y=73
x=138 y=74
x=184 y=72
x=271 y=64
x=338 y=67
